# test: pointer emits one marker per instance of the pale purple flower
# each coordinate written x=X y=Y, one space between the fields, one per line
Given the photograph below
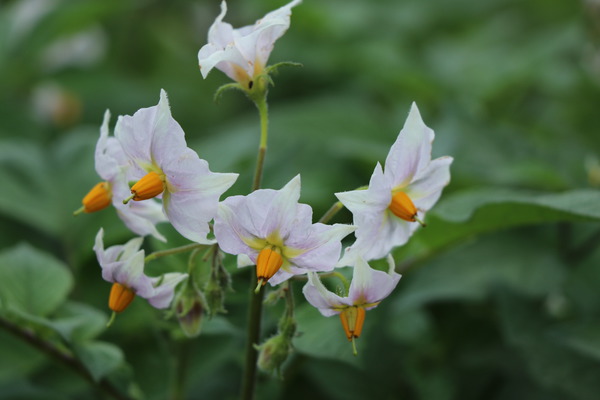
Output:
x=409 y=170
x=242 y=53
x=367 y=289
x=273 y=219
x=124 y=264
x=112 y=165
x=154 y=143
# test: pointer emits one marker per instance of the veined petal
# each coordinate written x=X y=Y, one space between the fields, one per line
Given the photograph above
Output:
x=320 y=248
x=411 y=152
x=370 y=286
x=282 y=211
x=185 y=212
x=161 y=296
x=318 y=296
x=235 y=227
x=167 y=138
x=427 y=186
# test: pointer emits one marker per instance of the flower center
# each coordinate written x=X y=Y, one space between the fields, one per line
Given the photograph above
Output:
x=151 y=185
x=352 y=321
x=402 y=207
x=268 y=262
x=120 y=297
x=97 y=198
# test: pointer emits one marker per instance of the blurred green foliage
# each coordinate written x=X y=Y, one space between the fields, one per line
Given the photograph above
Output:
x=499 y=298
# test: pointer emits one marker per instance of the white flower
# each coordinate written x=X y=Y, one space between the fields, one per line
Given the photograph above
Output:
x=388 y=212
x=277 y=234
x=155 y=145
x=112 y=166
x=123 y=265
x=242 y=53
x=368 y=288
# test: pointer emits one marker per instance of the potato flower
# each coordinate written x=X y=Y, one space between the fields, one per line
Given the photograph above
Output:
x=123 y=265
x=112 y=166
x=242 y=53
x=390 y=209
x=277 y=234
x=368 y=288
x=162 y=163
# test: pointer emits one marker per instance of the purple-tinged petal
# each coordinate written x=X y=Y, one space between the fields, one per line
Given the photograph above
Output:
x=411 y=152
x=369 y=285
x=321 y=247
x=427 y=187
x=229 y=60
x=233 y=227
x=318 y=296
x=282 y=210
x=161 y=296
x=166 y=136
x=106 y=165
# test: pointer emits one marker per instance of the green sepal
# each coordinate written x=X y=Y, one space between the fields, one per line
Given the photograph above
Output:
x=227 y=86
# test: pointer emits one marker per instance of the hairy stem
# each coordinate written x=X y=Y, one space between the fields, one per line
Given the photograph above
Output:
x=62 y=356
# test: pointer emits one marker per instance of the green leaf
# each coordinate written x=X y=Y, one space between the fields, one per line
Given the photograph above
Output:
x=99 y=357
x=472 y=271
x=77 y=321
x=323 y=337
x=32 y=282
x=470 y=213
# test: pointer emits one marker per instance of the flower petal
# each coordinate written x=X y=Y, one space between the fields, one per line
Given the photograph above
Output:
x=161 y=296
x=321 y=298
x=321 y=247
x=282 y=210
x=257 y=45
x=370 y=285
x=411 y=152
x=427 y=187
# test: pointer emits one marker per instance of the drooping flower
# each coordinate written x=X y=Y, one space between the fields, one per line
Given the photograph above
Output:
x=368 y=288
x=112 y=166
x=163 y=165
x=123 y=265
x=390 y=209
x=242 y=53
x=277 y=234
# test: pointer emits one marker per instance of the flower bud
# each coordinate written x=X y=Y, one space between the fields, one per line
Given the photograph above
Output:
x=190 y=305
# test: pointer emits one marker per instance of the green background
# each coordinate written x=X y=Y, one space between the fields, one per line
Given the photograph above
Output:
x=500 y=293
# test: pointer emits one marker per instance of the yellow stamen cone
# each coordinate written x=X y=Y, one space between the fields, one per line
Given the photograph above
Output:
x=402 y=207
x=151 y=185
x=353 y=319
x=97 y=199
x=268 y=263
x=120 y=297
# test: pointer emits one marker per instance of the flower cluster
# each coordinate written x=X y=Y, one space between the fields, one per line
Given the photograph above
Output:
x=266 y=228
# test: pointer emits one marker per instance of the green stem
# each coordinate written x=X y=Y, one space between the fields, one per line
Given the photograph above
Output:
x=254 y=316
x=175 y=250
x=334 y=209
x=63 y=356
x=261 y=104
x=256 y=299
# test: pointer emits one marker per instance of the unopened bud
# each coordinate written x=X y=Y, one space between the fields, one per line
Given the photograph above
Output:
x=273 y=353
x=190 y=306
